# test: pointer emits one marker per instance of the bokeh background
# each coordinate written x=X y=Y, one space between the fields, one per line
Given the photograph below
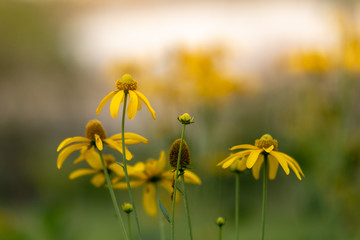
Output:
x=241 y=68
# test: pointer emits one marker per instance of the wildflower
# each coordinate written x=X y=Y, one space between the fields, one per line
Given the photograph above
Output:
x=253 y=157
x=220 y=221
x=150 y=174
x=127 y=207
x=94 y=161
x=126 y=85
x=186 y=119
x=95 y=136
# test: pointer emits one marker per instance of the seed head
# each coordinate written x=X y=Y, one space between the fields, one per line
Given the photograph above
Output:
x=174 y=152
x=126 y=83
x=266 y=141
x=94 y=127
x=127 y=207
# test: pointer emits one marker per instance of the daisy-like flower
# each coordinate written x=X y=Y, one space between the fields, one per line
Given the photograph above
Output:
x=95 y=136
x=152 y=173
x=93 y=159
x=253 y=157
x=126 y=85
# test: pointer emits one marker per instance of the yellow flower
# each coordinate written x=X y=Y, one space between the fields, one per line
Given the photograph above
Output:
x=150 y=174
x=186 y=119
x=253 y=157
x=93 y=159
x=126 y=85
x=95 y=136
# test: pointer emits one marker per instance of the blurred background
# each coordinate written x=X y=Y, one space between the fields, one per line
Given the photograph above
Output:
x=241 y=68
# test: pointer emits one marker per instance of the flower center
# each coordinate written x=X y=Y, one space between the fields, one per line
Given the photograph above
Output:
x=94 y=127
x=174 y=152
x=266 y=141
x=126 y=83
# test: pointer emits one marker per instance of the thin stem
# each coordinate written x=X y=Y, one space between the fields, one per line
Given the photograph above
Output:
x=125 y=167
x=265 y=176
x=187 y=207
x=237 y=200
x=220 y=233
x=129 y=226
x=175 y=185
x=112 y=195
x=161 y=222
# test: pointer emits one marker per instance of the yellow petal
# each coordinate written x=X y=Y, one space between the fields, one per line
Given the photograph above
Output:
x=295 y=170
x=104 y=101
x=167 y=185
x=244 y=146
x=269 y=149
x=147 y=103
x=139 y=105
x=191 y=177
x=94 y=160
x=230 y=161
x=149 y=199
x=252 y=158
x=294 y=162
x=241 y=164
x=130 y=138
x=98 y=179
x=82 y=155
x=116 y=168
x=161 y=163
x=238 y=155
x=273 y=167
x=115 y=103
x=257 y=167
x=81 y=172
x=133 y=104
x=67 y=141
x=98 y=142
x=67 y=151
x=115 y=145
x=133 y=184
x=281 y=160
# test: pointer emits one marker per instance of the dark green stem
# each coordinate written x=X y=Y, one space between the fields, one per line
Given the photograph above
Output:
x=265 y=177
x=175 y=185
x=112 y=195
x=125 y=167
x=187 y=207
x=237 y=200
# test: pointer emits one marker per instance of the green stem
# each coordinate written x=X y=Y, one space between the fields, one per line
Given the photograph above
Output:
x=125 y=167
x=237 y=200
x=220 y=233
x=265 y=176
x=129 y=226
x=161 y=222
x=186 y=207
x=175 y=185
x=112 y=195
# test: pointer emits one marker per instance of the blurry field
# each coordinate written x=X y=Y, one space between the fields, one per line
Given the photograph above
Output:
x=305 y=96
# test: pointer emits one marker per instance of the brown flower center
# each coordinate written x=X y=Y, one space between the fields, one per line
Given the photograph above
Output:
x=174 y=152
x=266 y=141
x=126 y=83
x=94 y=127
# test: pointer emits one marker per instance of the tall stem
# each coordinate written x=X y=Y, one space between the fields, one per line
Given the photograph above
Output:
x=112 y=195
x=265 y=177
x=129 y=226
x=125 y=167
x=161 y=222
x=220 y=233
x=175 y=185
x=237 y=199
x=186 y=207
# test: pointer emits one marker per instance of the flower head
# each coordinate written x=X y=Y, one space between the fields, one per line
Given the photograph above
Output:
x=174 y=153
x=186 y=119
x=253 y=157
x=93 y=159
x=220 y=221
x=127 y=207
x=150 y=173
x=126 y=85
x=95 y=136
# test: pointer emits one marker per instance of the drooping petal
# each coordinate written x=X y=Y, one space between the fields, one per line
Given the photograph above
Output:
x=67 y=141
x=67 y=151
x=292 y=166
x=130 y=138
x=98 y=142
x=230 y=161
x=81 y=172
x=115 y=145
x=168 y=175
x=104 y=101
x=98 y=180
x=139 y=105
x=294 y=162
x=115 y=103
x=191 y=177
x=240 y=164
x=117 y=169
x=133 y=184
x=269 y=149
x=133 y=104
x=257 y=167
x=238 y=155
x=147 y=103
x=94 y=160
x=227 y=159
x=244 y=146
x=282 y=160
x=273 y=167
x=252 y=158
x=161 y=163
x=149 y=199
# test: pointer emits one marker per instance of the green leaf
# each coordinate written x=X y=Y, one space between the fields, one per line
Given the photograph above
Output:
x=164 y=212
x=179 y=189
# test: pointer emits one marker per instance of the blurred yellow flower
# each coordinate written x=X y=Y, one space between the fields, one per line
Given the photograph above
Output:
x=93 y=159
x=312 y=61
x=95 y=136
x=152 y=173
x=126 y=85
x=253 y=158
